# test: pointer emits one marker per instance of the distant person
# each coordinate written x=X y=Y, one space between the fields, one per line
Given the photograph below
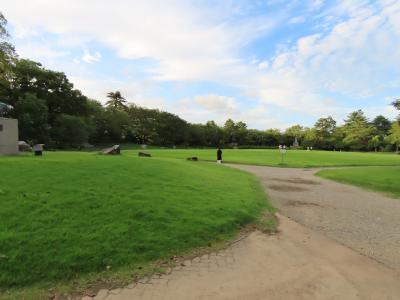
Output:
x=219 y=156
x=38 y=149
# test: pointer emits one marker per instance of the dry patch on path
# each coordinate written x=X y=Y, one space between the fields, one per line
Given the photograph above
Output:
x=366 y=221
x=297 y=263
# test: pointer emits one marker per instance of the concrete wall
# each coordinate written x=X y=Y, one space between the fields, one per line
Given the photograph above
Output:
x=8 y=136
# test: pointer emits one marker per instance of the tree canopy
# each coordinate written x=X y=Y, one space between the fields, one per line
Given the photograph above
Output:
x=115 y=100
x=51 y=111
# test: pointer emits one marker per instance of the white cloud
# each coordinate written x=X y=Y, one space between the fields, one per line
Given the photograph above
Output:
x=219 y=108
x=217 y=103
x=133 y=91
x=263 y=65
x=21 y=32
x=189 y=41
x=355 y=59
x=90 y=58
x=40 y=51
x=351 y=54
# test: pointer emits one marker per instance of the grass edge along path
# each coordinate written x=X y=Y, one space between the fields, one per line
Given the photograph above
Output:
x=35 y=189
x=385 y=180
x=272 y=157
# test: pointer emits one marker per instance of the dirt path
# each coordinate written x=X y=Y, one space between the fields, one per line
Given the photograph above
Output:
x=301 y=262
x=367 y=222
x=296 y=264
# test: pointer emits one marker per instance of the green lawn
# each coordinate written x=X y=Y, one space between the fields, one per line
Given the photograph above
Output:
x=293 y=158
x=67 y=215
x=383 y=179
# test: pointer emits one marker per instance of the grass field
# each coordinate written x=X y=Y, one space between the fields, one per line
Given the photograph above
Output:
x=293 y=158
x=382 y=179
x=67 y=215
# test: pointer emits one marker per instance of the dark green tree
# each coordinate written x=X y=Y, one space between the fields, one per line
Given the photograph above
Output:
x=116 y=100
x=293 y=132
x=235 y=132
x=394 y=136
x=357 y=130
x=396 y=104
x=214 y=135
x=7 y=59
x=32 y=119
x=382 y=125
x=70 y=131
x=324 y=129
x=272 y=137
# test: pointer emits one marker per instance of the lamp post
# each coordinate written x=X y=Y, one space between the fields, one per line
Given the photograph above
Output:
x=282 y=150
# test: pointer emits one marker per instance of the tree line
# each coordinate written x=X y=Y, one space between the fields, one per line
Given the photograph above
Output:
x=51 y=111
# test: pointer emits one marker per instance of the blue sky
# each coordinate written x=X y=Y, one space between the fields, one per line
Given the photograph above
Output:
x=269 y=63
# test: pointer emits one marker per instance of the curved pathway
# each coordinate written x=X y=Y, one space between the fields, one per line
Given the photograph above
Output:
x=368 y=222
x=325 y=254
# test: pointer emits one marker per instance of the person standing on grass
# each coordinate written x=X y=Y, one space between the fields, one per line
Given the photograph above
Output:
x=219 y=156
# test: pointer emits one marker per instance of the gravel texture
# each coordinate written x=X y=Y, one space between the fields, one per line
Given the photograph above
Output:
x=366 y=221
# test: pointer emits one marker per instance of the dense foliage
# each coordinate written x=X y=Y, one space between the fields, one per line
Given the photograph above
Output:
x=51 y=111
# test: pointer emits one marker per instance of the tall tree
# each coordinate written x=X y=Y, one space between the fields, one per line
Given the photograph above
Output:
x=7 y=50
x=394 y=135
x=116 y=100
x=213 y=134
x=7 y=59
x=38 y=94
x=33 y=119
x=272 y=137
x=357 y=130
x=324 y=129
x=375 y=142
x=70 y=131
x=295 y=132
x=230 y=129
x=235 y=132
x=396 y=104
x=143 y=124
x=382 y=125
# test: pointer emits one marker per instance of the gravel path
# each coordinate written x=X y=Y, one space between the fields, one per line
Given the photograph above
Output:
x=365 y=221
x=296 y=264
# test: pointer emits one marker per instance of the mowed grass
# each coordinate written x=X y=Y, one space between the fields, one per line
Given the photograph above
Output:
x=382 y=179
x=293 y=158
x=68 y=214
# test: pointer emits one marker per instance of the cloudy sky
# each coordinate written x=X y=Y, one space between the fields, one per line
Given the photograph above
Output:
x=271 y=63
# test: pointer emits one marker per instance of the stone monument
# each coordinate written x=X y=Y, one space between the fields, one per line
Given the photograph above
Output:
x=8 y=136
x=295 y=143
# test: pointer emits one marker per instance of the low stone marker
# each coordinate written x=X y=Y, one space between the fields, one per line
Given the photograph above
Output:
x=24 y=146
x=116 y=149
x=193 y=158
x=144 y=154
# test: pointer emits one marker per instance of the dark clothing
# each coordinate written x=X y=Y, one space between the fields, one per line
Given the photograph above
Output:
x=219 y=154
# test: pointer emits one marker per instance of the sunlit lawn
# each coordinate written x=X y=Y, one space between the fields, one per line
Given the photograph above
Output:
x=66 y=215
x=382 y=179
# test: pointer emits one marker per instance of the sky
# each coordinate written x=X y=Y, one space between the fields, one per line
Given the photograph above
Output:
x=269 y=63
